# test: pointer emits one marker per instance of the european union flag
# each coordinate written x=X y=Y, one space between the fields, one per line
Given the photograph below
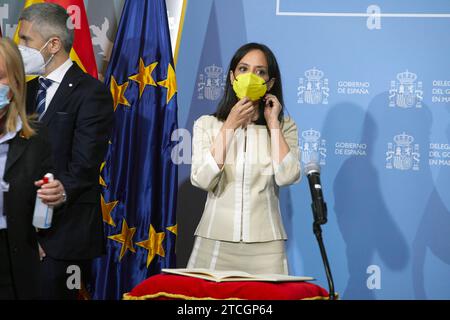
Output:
x=139 y=176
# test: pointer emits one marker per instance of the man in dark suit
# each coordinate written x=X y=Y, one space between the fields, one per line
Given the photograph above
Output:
x=78 y=112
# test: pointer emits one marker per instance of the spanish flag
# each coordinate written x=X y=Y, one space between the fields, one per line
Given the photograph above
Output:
x=82 y=51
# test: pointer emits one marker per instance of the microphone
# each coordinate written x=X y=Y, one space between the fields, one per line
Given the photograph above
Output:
x=319 y=207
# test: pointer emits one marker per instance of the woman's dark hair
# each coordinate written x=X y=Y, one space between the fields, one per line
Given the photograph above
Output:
x=229 y=98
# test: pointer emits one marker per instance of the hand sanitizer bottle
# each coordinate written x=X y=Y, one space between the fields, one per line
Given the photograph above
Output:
x=43 y=213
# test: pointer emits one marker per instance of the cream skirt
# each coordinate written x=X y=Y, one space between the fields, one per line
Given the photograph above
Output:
x=255 y=258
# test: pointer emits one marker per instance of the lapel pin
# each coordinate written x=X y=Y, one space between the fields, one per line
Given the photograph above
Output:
x=70 y=85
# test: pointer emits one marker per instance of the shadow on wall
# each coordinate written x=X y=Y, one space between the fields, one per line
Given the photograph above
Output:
x=362 y=215
x=191 y=202
x=433 y=232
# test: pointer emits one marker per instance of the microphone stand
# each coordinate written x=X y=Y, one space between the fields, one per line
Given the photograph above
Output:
x=318 y=233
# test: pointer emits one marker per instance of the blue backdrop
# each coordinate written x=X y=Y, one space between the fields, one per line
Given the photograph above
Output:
x=369 y=88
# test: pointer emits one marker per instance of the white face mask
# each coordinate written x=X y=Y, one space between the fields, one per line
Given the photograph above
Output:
x=4 y=93
x=33 y=60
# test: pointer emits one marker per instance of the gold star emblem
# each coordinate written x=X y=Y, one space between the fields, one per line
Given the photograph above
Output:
x=173 y=229
x=144 y=77
x=118 y=93
x=106 y=211
x=170 y=83
x=125 y=237
x=101 y=181
x=153 y=244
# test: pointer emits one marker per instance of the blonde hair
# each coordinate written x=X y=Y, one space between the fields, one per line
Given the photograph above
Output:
x=16 y=78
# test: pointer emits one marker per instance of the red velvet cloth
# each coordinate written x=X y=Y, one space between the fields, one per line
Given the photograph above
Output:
x=168 y=286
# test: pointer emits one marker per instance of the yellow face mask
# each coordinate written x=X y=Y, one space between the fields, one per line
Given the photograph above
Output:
x=249 y=85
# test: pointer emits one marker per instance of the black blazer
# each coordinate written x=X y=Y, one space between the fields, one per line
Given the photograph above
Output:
x=28 y=160
x=79 y=120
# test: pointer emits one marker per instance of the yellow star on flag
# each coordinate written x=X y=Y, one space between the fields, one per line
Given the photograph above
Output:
x=101 y=181
x=170 y=83
x=144 y=77
x=153 y=244
x=125 y=237
x=106 y=211
x=173 y=229
x=118 y=93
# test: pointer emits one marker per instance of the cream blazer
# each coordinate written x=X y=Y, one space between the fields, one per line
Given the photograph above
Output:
x=243 y=196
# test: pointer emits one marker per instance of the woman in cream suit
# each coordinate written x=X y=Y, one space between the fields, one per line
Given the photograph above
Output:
x=242 y=155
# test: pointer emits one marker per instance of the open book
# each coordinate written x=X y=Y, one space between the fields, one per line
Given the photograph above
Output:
x=231 y=275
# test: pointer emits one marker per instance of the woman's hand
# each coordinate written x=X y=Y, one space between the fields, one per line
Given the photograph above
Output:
x=272 y=110
x=51 y=193
x=240 y=114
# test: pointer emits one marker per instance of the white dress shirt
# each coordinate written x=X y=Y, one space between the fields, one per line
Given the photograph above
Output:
x=56 y=76
x=4 y=186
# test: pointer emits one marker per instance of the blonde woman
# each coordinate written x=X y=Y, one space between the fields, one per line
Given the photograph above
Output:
x=25 y=157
